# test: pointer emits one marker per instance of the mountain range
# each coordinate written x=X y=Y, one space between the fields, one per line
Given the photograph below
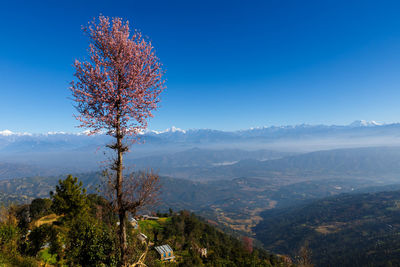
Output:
x=354 y=133
x=56 y=152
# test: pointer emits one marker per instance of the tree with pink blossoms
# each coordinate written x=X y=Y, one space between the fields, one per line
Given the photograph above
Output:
x=116 y=91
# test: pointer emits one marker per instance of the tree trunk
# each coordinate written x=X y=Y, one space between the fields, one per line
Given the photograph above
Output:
x=122 y=238
x=121 y=208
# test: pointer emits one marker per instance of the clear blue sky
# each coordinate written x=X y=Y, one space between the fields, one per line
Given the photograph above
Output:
x=230 y=64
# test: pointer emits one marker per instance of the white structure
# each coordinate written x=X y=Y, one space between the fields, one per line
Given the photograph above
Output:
x=148 y=217
x=142 y=237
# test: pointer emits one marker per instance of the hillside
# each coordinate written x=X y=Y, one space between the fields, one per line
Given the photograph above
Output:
x=13 y=170
x=177 y=164
x=184 y=163
x=28 y=188
x=232 y=203
x=371 y=162
x=279 y=168
x=81 y=231
x=187 y=235
x=345 y=230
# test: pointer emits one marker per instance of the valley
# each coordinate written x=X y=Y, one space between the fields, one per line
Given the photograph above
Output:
x=234 y=196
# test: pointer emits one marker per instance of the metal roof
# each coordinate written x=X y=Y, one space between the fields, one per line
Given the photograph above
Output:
x=163 y=249
x=148 y=217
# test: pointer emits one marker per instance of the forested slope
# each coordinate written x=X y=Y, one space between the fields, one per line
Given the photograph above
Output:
x=345 y=230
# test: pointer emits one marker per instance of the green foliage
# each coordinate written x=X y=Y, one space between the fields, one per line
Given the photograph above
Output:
x=8 y=233
x=56 y=240
x=22 y=215
x=90 y=243
x=149 y=225
x=38 y=238
x=46 y=256
x=9 y=238
x=40 y=207
x=17 y=260
x=70 y=198
x=101 y=209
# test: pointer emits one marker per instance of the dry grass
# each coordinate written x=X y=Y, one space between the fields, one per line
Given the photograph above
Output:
x=46 y=220
x=329 y=228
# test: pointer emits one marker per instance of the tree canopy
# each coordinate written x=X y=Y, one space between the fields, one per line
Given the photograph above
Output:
x=70 y=198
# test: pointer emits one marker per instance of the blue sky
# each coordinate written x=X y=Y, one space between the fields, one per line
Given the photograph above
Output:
x=230 y=64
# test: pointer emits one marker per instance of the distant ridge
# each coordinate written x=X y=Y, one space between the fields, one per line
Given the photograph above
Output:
x=78 y=152
x=174 y=129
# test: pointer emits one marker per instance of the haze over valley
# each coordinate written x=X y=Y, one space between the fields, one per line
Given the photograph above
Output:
x=217 y=174
x=173 y=150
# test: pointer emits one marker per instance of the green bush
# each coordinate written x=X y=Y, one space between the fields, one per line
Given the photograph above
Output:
x=40 y=207
x=90 y=244
x=38 y=238
x=8 y=233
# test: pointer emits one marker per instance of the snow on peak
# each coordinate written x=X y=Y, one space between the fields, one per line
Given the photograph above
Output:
x=10 y=133
x=364 y=123
x=375 y=123
x=173 y=129
x=54 y=133
x=85 y=132
x=6 y=133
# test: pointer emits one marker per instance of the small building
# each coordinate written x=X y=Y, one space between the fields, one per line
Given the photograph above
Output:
x=134 y=223
x=166 y=253
x=148 y=217
x=142 y=237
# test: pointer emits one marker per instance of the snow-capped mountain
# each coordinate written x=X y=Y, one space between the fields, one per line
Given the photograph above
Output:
x=6 y=133
x=363 y=123
x=356 y=133
x=82 y=152
x=10 y=133
x=173 y=129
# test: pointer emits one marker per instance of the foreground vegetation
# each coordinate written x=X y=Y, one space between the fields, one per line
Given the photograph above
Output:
x=73 y=228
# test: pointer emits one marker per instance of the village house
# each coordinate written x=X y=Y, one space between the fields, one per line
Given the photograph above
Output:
x=142 y=237
x=148 y=217
x=134 y=223
x=166 y=253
